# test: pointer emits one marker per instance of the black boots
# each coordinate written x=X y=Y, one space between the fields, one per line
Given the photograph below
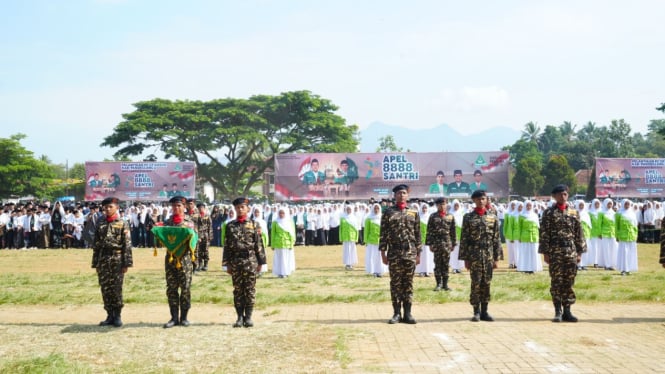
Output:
x=117 y=322
x=397 y=314
x=408 y=318
x=557 y=312
x=109 y=318
x=439 y=283
x=484 y=316
x=248 y=316
x=239 y=321
x=112 y=318
x=205 y=266
x=444 y=284
x=567 y=315
x=183 y=317
x=174 y=318
x=476 y=313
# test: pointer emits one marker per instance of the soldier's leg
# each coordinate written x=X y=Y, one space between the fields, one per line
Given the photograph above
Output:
x=185 y=280
x=393 y=270
x=445 y=262
x=474 y=295
x=568 y=273
x=106 y=297
x=250 y=297
x=236 y=278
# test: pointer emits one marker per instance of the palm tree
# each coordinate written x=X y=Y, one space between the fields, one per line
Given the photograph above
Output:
x=531 y=132
x=567 y=130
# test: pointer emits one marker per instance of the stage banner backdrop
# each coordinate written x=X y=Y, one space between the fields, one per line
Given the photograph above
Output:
x=152 y=181
x=630 y=177
x=340 y=176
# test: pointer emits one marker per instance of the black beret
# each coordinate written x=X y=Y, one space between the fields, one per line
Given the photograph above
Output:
x=191 y=200
x=178 y=199
x=240 y=201
x=559 y=188
x=478 y=193
x=401 y=187
x=110 y=200
x=441 y=200
x=200 y=205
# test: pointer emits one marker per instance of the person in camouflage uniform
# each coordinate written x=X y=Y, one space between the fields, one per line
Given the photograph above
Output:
x=204 y=228
x=400 y=246
x=441 y=239
x=111 y=256
x=562 y=244
x=179 y=280
x=193 y=214
x=480 y=249
x=243 y=257
x=662 y=244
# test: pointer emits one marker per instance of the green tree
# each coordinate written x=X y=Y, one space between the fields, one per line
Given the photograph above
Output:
x=233 y=141
x=387 y=144
x=531 y=132
x=550 y=141
x=20 y=172
x=619 y=133
x=558 y=171
x=528 y=177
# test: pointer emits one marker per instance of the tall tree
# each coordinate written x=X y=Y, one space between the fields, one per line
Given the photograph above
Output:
x=528 y=177
x=550 y=140
x=387 y=144
x=20 y=172
x=233 y=141
x=558 y=171
x=619 y=133
x=531 y=132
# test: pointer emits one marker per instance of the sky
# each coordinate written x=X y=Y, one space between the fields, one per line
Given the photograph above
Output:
x=70 y=69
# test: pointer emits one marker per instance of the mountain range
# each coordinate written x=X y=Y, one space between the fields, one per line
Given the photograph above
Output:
x=442 y=138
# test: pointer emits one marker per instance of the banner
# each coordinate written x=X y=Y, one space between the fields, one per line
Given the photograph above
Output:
x=340 y=176
x=153 y=181
x=630 y=177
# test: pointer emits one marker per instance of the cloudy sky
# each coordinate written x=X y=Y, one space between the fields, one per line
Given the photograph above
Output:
x=69 y=69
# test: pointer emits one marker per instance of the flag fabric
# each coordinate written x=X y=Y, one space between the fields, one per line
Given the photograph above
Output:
x=176 y=240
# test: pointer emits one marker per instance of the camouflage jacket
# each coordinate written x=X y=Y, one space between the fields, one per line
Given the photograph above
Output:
x=243 y=242
x=480 y=239
x=204 y=227
x=400 y=233
x=441 y=232
x=561 y=233
x=112 y=238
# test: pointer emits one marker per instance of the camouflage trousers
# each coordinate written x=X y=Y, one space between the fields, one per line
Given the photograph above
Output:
x=244 y=283
x=179 y=281
x=441 y=260
x=111 y=277
x=401 y=279
x=202 y=251
x=481 y=278
x=562 y=274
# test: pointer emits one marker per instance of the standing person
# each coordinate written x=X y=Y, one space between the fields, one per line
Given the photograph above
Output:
x=243 y=257
x=459 y=187
x=256 y=215
x=562 y=244
x=441 y=238
x=439 y=187
x=111 y=256
x=457 y=210
x=372 y=233
x=585 y=221
x=348 y=234
x=179 y=267
x=529 y=223
x=607 y=255
x=204 y=229
x=626 y=230
x=193 y=213
x=283 y=240
x=400 y=245
x=217 y=219
x=45 y=225
x=595 y=238
x=480 y=248
x=508 y=224
x=426 y=265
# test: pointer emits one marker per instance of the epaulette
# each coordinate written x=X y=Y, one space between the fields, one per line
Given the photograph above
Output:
x=572 y=212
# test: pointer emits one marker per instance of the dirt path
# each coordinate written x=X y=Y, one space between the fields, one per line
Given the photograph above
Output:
x=347 y=338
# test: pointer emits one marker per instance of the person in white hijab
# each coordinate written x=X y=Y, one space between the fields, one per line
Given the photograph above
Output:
x=372 y=233
x=257 y=216
x=626 y=230
x=283 y=241
x=585 y=221
x=528 y=257
x=426 y=265
x=457 y=210
x=595 y=235
x=608 y=251
x=348 y=234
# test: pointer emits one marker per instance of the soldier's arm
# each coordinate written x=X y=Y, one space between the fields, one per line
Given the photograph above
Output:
x=496 y=241
x=416 y=228
x=96 y=248
x=430 y=229
x=259 y=248
x=544 y=239
x=383 y=235
x=662 y=243
x=580 y=243
x=127 y=259
x=463 y=250
x=453 y=232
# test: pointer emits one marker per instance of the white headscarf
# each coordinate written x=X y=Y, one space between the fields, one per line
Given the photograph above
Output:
x=592 y=207
x=457 y=213
x=351 y=218
x=628 y=214
x=608 y=212
x=285 y=223
x=375 y=218
x=424 y=216
x=580 y=205
x=530 y=214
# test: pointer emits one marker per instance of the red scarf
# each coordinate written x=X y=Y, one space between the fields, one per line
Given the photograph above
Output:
x=562 y=207
x=177 y=219
x=480 y=211
x=241 y=219
x=442 y=214
x=112 y=218
x=401 y=205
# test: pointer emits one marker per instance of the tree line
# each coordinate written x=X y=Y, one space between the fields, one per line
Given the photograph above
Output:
x=233 y=142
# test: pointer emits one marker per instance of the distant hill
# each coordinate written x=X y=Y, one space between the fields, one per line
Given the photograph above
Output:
x=438 y=139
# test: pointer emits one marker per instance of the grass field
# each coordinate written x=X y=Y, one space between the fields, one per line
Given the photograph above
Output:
x=39 y=281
